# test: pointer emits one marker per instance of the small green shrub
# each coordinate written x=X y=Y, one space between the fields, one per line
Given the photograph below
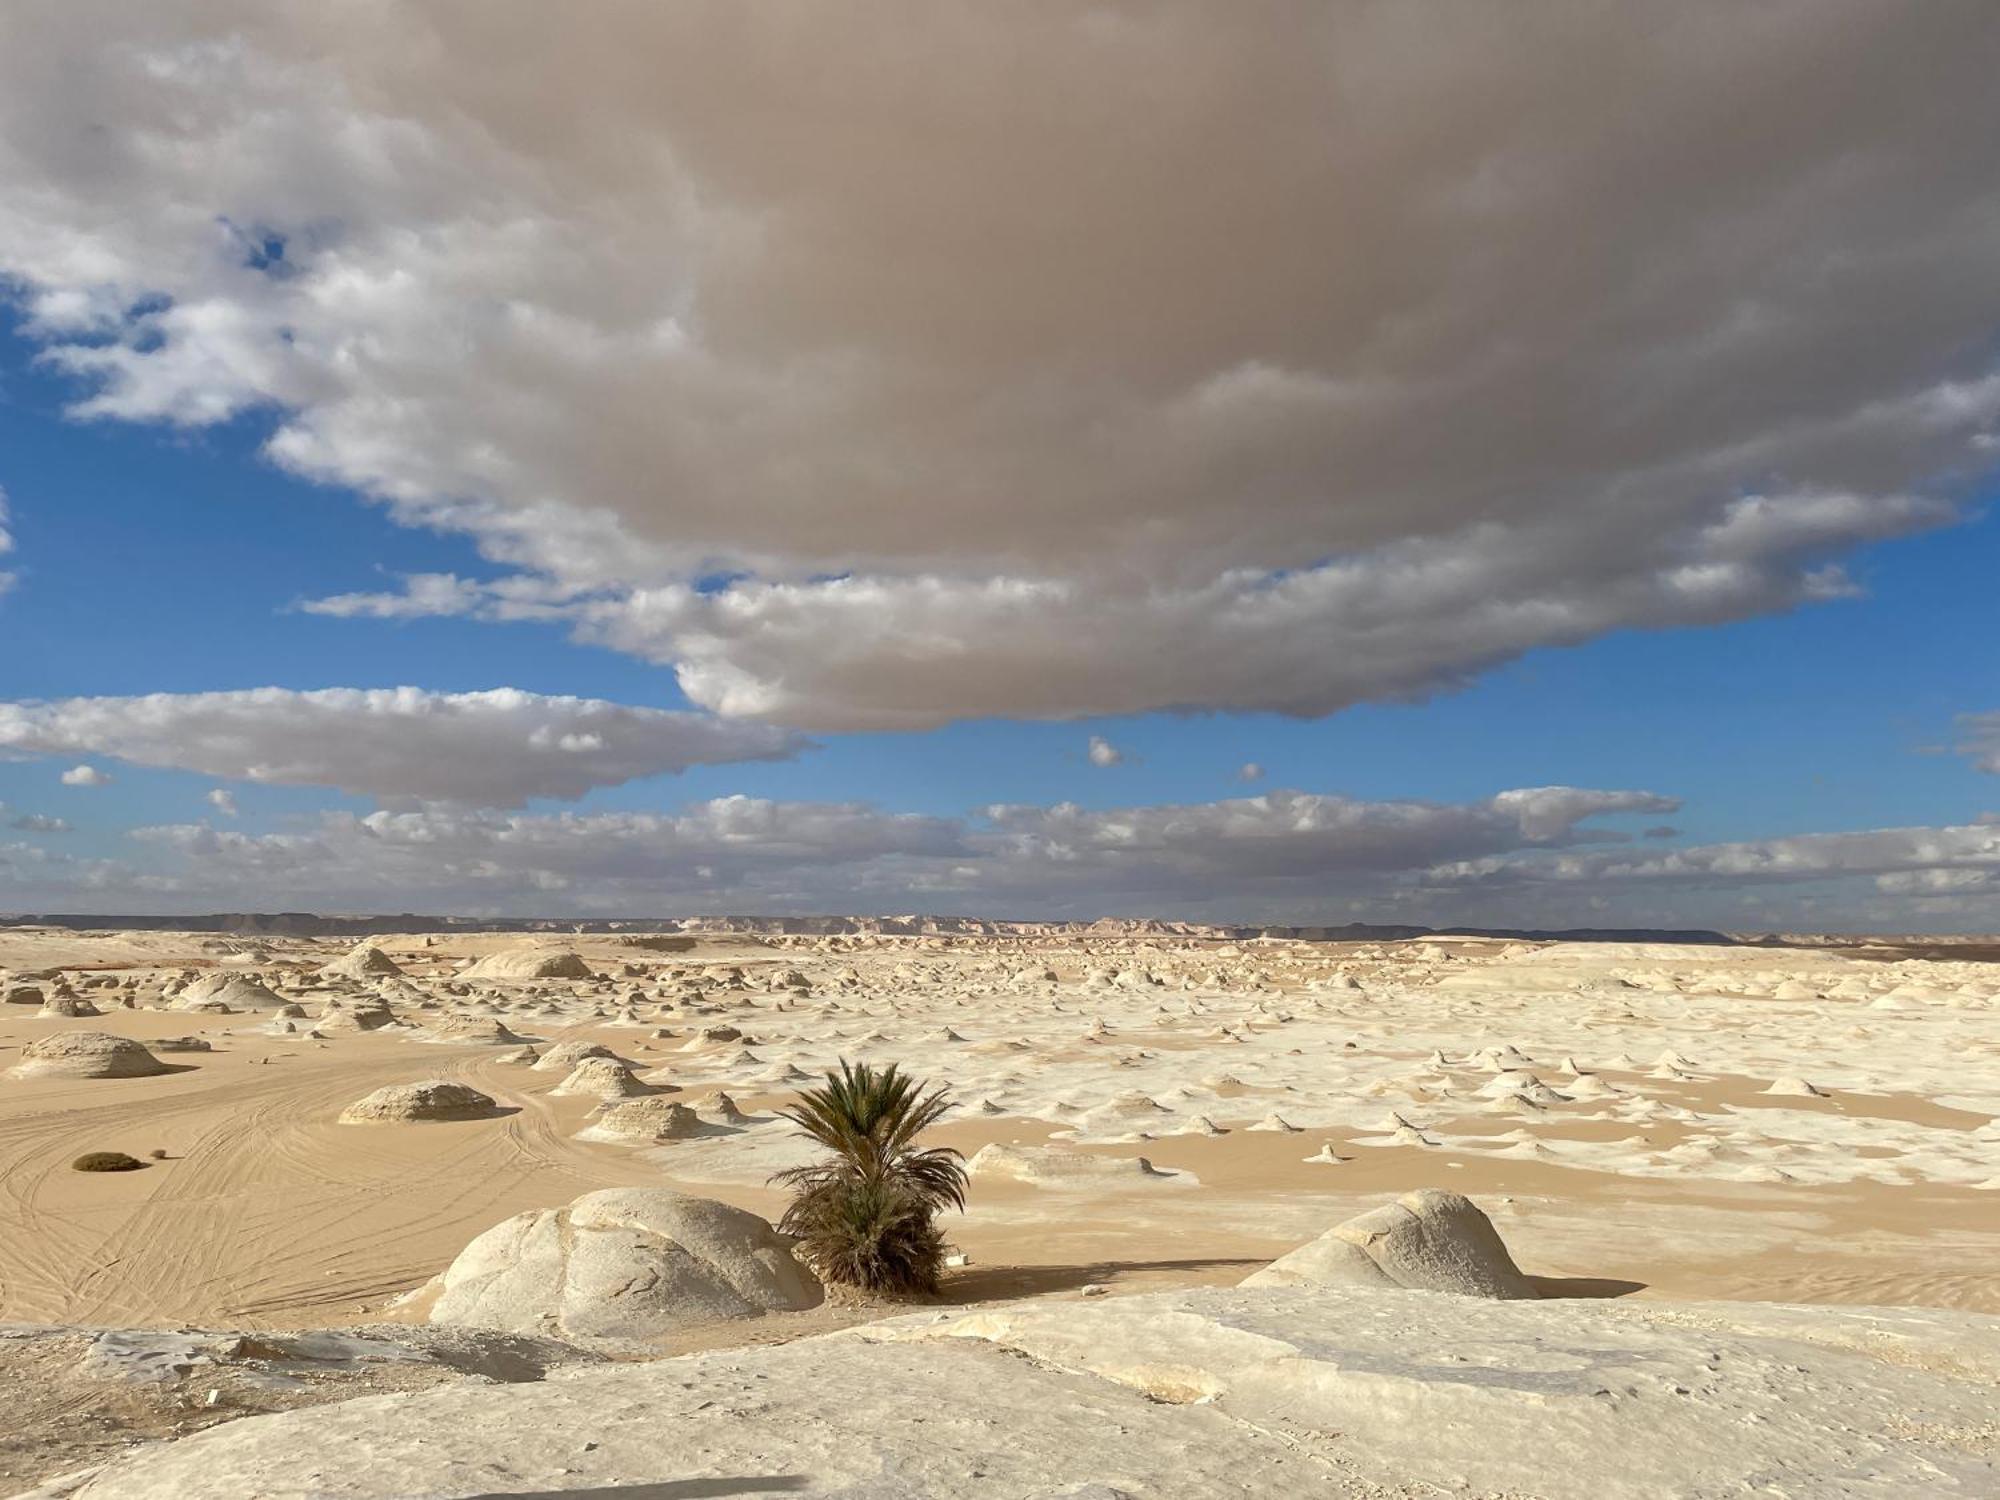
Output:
x=106 y=1161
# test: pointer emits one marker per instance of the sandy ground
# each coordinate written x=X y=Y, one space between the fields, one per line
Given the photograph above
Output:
x=266 y=1212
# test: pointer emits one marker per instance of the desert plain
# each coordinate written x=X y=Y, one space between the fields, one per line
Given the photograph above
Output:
x=1143 y=1111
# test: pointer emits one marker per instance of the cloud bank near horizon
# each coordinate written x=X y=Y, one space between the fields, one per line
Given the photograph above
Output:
x=1529 y=857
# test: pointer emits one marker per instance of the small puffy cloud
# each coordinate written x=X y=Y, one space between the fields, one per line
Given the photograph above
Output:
x=85 y=776
x=1107 y=435
x=223 y=801
x=422 y=596
x=1103 y=753
x=6 y=544
x=496 y=748
x=1250 y=771
x=24 y=822
x=1979 y=739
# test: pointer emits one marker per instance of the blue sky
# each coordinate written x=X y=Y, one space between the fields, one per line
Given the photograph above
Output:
x=196 y=443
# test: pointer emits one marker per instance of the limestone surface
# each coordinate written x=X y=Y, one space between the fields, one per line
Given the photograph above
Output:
x=1252 y=1392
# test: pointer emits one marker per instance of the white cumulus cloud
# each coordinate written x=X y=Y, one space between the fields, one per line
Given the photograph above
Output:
x=86 y=776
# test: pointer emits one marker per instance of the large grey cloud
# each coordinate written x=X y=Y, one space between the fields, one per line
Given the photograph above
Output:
x=1088 y=358
x=496 y=748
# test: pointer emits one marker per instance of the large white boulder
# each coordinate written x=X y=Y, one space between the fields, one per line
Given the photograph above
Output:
x=1429 y=1241
x=623 y=1264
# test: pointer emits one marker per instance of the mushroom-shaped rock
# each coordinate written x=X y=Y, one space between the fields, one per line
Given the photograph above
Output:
x=564 y=1056
x=362 y=961
x=489 y=1030
x=622 y=1263
x=60 y=1004
x=1427 y=1241
x=601 y=1078
x=640 y=1122
x=436 y=1099
x=362 y=1014
x=515 y=965
x=231 y=991
x=86 y=1054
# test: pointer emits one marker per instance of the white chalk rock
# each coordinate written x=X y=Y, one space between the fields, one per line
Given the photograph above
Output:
x=417 y=1103
x=1046 y=1166
x=516 y=965
x=86 y=1054
x=640 y=1122
x=1190 y=1393
x=1429 y=1240
x=601 y=1078
x=564 y=1056
x=362 y=961
x=622 y=1263
x=228 y=991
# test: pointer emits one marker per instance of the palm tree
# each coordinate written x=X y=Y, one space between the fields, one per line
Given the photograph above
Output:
x=865 y=1216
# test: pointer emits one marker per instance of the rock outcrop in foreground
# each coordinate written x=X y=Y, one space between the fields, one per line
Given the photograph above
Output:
x=1254 y=1391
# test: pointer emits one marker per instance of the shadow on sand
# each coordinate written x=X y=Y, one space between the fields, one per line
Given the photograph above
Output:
x=1585 y=1286
x=980 y=1284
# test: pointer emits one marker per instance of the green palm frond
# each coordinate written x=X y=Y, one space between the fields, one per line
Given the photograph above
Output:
x=864 y=1215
